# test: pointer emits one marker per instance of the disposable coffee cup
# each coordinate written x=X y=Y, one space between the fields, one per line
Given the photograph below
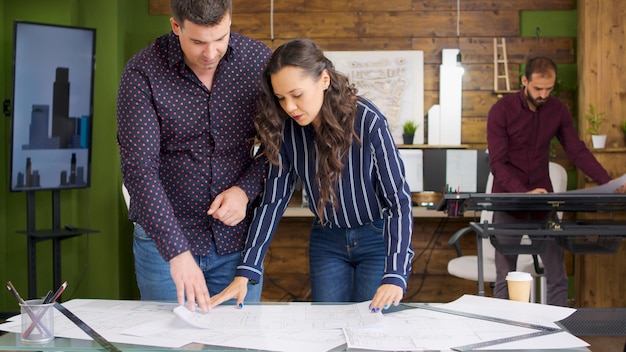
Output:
x=519 y=284
x=37 y=321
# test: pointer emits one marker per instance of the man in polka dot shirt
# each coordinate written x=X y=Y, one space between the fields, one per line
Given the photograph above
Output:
x=185 y=131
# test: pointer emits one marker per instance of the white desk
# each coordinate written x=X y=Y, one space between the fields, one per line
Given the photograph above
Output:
x=260 y=326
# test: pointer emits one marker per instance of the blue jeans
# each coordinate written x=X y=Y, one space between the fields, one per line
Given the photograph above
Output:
x=155 y=280
x=347 y=265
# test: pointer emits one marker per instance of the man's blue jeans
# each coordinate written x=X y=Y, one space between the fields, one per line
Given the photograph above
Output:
x=155 y=281
x=346 y=265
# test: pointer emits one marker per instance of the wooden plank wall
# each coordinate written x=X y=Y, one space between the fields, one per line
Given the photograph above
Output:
x=429 y=26
x=601 y=279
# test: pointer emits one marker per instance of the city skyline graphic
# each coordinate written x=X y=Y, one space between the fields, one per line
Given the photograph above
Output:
x=67 y=132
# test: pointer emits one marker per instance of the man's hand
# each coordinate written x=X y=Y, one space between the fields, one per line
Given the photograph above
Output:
x=621 y=189
x=386 y=296
x=237 y=289
x=190 y=282
x=538 y=191
x=229 y=206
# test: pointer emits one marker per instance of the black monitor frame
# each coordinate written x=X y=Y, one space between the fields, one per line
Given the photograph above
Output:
x=52 y=106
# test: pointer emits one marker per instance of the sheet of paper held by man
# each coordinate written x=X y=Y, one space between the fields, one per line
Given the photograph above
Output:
x=607 y=188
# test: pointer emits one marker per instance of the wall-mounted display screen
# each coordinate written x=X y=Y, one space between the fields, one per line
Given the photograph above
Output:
x=52 y=115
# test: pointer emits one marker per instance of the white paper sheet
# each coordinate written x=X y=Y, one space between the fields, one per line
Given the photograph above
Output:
x=109 y=318
x=286 y=340
x=274 y=317
x=607 y=188
x=311 y=328
x=421 y=329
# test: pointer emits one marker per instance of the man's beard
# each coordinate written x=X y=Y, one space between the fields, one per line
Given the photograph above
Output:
x=536 y=104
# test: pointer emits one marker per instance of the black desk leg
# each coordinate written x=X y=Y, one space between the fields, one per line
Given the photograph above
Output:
x=56 y=263
x=479 y=257
x=31 y=258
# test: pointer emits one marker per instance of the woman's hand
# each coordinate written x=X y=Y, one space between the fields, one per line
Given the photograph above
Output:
x=237 y=289
x=386 y=296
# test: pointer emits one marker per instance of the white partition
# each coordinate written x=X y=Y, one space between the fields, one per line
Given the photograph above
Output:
x=413 y=168
x=450 y=100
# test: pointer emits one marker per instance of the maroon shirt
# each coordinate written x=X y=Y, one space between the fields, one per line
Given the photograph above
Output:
x=182 y=144
x=519 y=144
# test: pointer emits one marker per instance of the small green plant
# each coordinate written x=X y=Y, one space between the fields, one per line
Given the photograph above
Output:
x=595 y=120
x=624 y=126
x=410 y=127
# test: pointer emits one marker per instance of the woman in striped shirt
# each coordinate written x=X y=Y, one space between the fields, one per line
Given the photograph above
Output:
x=313 y=126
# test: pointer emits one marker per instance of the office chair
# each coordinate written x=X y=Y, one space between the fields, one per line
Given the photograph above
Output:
x=466 y=266
x=126 y=196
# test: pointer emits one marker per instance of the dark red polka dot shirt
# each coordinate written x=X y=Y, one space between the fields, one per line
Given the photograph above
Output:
x=182 y=144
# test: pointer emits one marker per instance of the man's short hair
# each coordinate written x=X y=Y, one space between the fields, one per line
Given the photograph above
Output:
x=200 y=12
x=542 y=65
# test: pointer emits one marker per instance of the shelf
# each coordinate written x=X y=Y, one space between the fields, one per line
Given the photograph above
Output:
x=609 y=150
x=56 y=233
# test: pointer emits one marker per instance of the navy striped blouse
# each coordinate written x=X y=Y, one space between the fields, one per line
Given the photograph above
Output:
x=372 y=187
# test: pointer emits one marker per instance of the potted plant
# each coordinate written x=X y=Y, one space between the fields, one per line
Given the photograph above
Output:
x=595 y=119
x=409 y=129
x=623 y=127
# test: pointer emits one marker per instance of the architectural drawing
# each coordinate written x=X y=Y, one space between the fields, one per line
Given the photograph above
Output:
x=393 y=80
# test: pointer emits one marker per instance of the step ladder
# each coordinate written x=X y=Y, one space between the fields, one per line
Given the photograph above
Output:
x=500 y=61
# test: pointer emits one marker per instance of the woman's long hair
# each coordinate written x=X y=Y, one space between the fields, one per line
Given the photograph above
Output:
x=336 y=133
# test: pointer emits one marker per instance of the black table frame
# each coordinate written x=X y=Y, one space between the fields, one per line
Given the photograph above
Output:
x=456 y=204
x=56 y=234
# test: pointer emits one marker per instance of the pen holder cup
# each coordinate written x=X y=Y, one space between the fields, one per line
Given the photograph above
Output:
x=455 y=208
x=37 y=321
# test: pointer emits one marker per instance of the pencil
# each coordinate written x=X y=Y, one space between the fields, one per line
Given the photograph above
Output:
x=58 y=293
x=49 y=299
x=35 y=321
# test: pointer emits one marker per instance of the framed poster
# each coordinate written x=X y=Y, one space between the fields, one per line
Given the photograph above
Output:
x=393 y=80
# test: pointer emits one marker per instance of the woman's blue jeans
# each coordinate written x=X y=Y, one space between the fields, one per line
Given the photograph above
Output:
x=155 y=280
x=346 y=265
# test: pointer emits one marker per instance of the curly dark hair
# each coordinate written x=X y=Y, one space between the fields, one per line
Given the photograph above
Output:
x=336 y=132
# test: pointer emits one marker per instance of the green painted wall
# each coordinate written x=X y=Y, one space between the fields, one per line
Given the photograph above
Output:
x=101 y=265
x=553 y=24
x=98 y=265
x=94 y=265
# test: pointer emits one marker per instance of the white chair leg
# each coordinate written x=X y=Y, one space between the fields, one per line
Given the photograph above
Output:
x=532 y=291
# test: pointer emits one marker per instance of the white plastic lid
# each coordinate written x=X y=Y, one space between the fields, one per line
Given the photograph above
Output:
x=518 y=276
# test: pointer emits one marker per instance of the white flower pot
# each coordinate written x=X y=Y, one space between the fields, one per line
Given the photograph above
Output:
x=598 y=141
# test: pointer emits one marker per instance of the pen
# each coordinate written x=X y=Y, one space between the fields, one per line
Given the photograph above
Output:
x=458 y=191
x=48 y=296
x=35 y=321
